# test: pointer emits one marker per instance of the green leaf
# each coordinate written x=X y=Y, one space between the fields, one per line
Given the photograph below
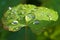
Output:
x=43 y=18
x=14 y=18
x=37 y=18
x=54 y=4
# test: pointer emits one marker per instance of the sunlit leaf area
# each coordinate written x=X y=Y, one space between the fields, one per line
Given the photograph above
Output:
x=29 y=19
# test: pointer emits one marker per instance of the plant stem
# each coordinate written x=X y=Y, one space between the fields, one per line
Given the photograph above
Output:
x=26 y=32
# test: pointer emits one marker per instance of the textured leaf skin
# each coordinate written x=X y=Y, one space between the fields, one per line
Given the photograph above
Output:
x=14 y=18
x=25 y=15
x=54 y=4
x=45 y=17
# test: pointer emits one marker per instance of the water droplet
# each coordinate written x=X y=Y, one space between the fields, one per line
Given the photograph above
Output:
x=36 y=22
x=14 y=12
x=15 y=22
x=10 y=8
x=50 y=17
x=31 y=16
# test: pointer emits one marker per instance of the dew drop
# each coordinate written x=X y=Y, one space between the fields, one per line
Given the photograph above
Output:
x=50 y=17
x=13 y=11
x=31 y=16
x=15 y=22
x=36 y=22
x=10 y=8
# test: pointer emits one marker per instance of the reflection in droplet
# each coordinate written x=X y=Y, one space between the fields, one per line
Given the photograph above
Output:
x=13 y=11
x=15 y=22
x=36 y=22
x=31 y=16
x=10 y=8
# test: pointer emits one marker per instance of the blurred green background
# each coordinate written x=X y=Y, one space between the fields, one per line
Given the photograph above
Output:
x=20 y=35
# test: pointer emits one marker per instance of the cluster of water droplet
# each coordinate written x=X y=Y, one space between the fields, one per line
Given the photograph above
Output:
x=18 y=16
